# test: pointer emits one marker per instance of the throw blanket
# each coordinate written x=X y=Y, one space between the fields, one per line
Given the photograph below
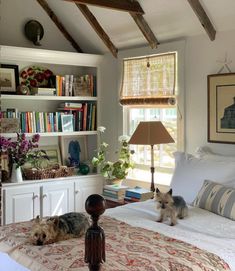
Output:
x=127 y=248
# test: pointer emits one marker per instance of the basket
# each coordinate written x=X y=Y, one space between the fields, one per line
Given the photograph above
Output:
x=51 y=172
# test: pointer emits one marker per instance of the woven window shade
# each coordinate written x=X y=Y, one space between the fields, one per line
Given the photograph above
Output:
x=149 y=80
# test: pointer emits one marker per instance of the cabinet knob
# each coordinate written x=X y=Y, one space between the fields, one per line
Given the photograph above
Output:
x=44 y=196
x=35 y=196
x=77 y=191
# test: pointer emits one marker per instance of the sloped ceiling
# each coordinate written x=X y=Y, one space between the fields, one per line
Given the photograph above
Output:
x=168 y=19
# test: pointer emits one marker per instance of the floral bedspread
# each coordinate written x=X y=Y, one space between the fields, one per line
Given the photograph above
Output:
x=127 y=248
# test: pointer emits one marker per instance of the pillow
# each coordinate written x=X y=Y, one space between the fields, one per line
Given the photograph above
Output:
x=190 y=173
x=216 y=198
x=206 y=153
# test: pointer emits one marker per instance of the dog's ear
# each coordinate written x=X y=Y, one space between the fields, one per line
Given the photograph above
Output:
x=55 y=221
x=37 y=219
x=170 y=191
x=157 y=190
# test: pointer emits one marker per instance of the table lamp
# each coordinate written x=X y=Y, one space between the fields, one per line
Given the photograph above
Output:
x=151 y=133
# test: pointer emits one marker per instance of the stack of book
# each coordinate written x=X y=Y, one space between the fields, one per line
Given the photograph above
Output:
x=137 y=194
x=114 y=192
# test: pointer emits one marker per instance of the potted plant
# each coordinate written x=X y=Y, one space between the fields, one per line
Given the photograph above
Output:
x=20 y=152
x=118 y=170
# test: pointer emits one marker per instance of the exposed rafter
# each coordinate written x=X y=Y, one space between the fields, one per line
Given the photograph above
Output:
x=98 y=29
x=54 y=18
x=145 y=29
x=203 y=18
x=123 y=5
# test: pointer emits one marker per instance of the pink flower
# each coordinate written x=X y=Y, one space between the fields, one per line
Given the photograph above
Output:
x=24 y=75
x=33 y=83
x=39 y=77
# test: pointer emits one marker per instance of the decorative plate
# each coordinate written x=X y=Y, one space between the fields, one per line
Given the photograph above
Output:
x=35 y=76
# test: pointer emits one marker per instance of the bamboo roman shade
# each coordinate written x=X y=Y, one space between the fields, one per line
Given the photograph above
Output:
x=149 y=80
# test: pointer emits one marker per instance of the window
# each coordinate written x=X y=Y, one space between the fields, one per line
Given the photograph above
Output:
x=159 y=107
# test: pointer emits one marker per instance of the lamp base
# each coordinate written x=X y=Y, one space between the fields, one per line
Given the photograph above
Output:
x=152 y=187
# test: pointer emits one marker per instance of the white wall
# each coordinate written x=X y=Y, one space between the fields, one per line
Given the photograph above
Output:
x=200 y=60
x=15 y=14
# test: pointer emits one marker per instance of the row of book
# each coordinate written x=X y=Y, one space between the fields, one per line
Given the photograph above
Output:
x=70 y=119
x=122 y=193
x=70 y=85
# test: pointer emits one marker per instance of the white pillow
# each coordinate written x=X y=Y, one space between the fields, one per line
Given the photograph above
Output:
x=190 y=173
x=206 y=153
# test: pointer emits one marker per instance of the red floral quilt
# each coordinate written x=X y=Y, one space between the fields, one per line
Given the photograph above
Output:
x=127 y=248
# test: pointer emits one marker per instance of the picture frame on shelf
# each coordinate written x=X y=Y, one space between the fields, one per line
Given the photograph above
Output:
x=73 y=150
x=53 y=153
x=9 y=78
x=221 y=105
x=67 y=123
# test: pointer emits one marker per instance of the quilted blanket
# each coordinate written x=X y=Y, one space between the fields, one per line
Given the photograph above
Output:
x=127 y=248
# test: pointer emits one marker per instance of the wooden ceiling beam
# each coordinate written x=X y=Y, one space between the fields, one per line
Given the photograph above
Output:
x=123 y=5
x=62 y=29
x=145 y=29
x=97 y=27
x=203 y=18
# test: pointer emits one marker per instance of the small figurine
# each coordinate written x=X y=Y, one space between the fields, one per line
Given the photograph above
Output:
x=74 y=151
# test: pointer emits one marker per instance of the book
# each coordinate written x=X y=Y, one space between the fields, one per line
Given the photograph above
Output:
x=139 y=193
x=68 y=104
x=115 y=187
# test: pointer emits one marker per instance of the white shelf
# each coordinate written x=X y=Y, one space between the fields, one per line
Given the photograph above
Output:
x=18 y=54
x=47 y=98
x=81 y=133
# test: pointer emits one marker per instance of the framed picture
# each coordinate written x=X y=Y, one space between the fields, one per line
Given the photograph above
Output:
x=73 y=149
x=9 y=78
x=53 y=153
x=67 y=123
x=221 y=108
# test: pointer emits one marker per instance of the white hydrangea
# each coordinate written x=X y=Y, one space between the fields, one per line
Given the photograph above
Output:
x=101 y=129
x=123 y=138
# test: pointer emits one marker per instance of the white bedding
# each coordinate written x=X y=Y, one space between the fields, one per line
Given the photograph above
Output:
x=201 y=228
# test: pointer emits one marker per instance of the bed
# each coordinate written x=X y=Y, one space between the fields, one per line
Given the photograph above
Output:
x=134 y=240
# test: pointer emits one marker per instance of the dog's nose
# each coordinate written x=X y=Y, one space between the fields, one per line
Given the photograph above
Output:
x=163 y=206
x=39 y=243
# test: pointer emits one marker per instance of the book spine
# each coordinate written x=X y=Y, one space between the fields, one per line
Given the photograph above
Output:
x=133 y=194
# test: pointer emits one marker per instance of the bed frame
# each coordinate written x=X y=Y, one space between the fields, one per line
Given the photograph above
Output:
x=95 y=238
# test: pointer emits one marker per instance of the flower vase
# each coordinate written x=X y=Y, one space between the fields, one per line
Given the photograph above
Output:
x=116 y=181
x=16 y=174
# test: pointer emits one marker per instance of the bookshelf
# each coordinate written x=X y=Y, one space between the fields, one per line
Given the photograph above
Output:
x=60 y=63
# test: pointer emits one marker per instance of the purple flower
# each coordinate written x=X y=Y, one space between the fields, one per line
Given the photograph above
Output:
x=35 y=138
x=18 y=150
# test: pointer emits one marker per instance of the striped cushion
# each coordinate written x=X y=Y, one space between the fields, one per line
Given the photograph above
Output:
x=216 y=198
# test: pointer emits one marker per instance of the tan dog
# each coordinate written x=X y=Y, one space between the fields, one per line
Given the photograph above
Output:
x=170 y=206
x=54 y=229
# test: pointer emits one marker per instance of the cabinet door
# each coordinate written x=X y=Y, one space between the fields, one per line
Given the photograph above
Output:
x=57 y=198
x=21 y=203
x=84 y=188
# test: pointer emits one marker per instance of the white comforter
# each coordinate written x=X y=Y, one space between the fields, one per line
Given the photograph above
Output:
x=201 y=228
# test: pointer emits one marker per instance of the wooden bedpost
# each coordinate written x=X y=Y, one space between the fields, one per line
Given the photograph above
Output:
x=95 y=238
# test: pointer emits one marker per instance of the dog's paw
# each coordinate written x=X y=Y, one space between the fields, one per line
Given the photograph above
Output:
x=172 y=224
x=159 y=220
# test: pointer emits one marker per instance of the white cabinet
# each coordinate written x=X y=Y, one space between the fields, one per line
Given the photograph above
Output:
x=57 y=198
x=84 y=188
x=21 y=203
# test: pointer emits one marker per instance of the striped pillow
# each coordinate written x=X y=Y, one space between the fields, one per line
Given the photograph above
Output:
x=216 y=198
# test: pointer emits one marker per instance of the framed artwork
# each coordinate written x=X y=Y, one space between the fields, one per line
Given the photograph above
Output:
x=9 y=78
x=67 y=123
x=53 y=153
x=73 y=150
x=221 y=108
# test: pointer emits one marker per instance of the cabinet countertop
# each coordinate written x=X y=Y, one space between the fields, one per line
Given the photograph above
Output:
x=73 y=178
